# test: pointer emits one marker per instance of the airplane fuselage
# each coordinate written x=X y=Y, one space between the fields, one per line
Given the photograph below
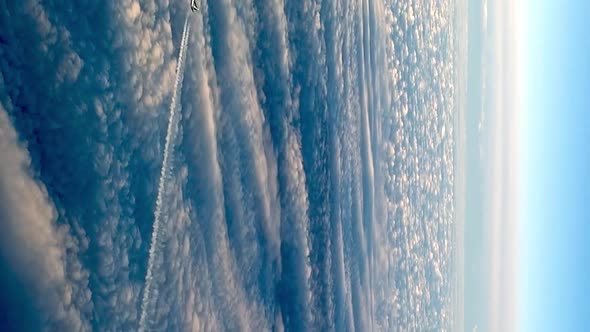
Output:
x=194 y=6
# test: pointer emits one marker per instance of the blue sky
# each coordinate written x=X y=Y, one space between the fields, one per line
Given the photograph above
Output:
x=555 y=168
x=528 y=166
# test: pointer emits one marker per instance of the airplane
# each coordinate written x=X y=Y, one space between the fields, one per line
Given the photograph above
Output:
x=194 y=6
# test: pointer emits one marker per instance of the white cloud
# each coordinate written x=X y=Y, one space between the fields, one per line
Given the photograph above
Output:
x=501 y=176
x=33 y=242
x=240 y=203
x=93 y=120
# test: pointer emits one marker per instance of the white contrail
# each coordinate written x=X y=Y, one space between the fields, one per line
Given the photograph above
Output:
x=164 y=173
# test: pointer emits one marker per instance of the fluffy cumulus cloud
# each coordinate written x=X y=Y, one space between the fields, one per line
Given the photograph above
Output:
x=85 y=85
x=417 y=154
x=32 y=242
x=309 y=183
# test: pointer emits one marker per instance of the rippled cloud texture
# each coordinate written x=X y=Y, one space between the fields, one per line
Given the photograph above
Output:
x=310 y=180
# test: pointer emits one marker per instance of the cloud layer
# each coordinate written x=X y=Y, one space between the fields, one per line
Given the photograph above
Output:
x=310 y=181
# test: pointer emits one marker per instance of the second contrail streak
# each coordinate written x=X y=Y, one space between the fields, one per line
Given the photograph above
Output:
x=164 y=173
